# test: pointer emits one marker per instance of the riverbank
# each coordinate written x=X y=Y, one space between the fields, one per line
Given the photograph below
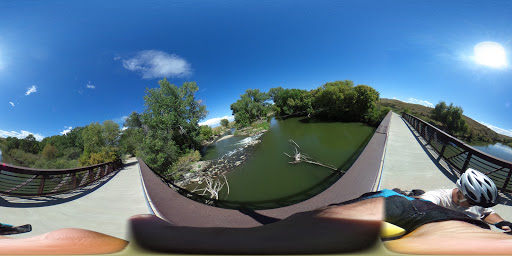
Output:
x=213 y=168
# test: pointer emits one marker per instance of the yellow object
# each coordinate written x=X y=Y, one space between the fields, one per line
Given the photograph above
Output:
x=389 y=230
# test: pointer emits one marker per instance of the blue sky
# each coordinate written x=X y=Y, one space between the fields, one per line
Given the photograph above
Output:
x=70 y=63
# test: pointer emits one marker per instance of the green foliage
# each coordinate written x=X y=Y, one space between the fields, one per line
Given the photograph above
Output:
x=49 y=152
x=133 y=121
x=29 y=144
x=206 y=132
x=184 y=163
x=224 y=122
x=170 y=123
x=105 y=154
x=451 y=117
x=341 y=101
x=130 y=141
x=250 y=107
x=376 y=115
x=25 y=158
x=289 y=102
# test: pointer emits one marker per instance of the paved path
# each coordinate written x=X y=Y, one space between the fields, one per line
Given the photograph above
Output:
x=408 y=165
x=105 y=208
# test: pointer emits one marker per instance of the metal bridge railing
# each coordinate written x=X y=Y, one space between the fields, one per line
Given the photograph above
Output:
x=21 y=181
x=461 y=156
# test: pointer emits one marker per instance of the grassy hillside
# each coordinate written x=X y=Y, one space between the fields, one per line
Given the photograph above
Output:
x=477 y=132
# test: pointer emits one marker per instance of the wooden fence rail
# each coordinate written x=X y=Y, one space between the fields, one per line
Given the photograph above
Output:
x=21 y=181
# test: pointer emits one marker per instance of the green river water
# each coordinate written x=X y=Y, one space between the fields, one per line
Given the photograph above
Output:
x=267 y=176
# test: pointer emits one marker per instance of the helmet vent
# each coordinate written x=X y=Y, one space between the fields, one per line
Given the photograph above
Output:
x=471 y=195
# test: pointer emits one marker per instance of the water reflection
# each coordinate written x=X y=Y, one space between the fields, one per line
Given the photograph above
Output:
x=498 y=150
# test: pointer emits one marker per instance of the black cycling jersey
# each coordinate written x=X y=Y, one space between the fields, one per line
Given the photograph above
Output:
x=410 y=213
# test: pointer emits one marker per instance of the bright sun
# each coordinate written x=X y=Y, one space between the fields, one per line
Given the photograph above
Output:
x=490 y=54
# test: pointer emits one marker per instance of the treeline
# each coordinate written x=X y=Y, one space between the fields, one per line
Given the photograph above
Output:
x=168 y=137
x=334 y=101
x=82 y=146
x=450 y=119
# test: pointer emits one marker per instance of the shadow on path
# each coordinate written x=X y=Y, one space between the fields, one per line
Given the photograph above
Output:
x=445 y=168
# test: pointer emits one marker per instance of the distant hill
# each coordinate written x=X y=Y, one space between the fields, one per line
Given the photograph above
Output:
x=477 y=131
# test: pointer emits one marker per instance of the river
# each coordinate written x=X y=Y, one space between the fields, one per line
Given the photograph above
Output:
x=267 y=176
x=498 y=150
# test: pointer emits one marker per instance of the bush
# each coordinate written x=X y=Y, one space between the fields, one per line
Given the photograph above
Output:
x=106 y=154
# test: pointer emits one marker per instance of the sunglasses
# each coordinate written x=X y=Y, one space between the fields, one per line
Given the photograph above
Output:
x=464 y=199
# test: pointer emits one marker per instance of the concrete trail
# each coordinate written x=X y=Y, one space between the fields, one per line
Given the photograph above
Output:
x=104 y=208
x=408 y=165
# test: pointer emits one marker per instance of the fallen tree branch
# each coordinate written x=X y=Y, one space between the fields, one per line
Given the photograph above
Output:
x=302 y=157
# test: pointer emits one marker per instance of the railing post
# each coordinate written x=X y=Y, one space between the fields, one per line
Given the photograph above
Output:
x=507 y=180
x=91 y=174
x=41 y=185
x=466 y=163
x=73 y=179
x=430 y=138
x=441 y=154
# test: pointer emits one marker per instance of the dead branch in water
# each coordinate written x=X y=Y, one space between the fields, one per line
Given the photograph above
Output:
x=213 y=187
x=302 y=157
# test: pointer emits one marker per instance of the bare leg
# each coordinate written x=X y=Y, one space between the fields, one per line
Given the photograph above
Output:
x=452 y=237
x=332 y=229
x=62 y=241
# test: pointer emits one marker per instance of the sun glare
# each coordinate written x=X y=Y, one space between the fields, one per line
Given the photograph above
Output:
x=490 y=54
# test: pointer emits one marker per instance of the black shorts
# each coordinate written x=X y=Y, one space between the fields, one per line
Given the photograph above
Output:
x=410 y=213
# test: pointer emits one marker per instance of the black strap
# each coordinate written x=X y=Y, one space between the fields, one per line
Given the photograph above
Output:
x=503 y=223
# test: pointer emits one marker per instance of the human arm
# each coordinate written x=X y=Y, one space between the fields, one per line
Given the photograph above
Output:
x=62 y=242
x=334 y=229
x=499 y=222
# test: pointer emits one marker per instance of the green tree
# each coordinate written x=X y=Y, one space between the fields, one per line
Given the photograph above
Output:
x=170 y=123
x=29 y=144
x=291 y=101
x=92 y=137
x=49 y=152
x=250 y=107
x=334 y=100
x=130 y=141
x=451 y=117
x=100 y=143
x=110 y=133
x=206 y=132
x=133 y=121
x=224 y=122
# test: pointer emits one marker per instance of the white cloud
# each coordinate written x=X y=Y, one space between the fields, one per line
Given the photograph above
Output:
x=157 y=64
x=90 y=86
x=12 y=104
x=31 y=90
x=66 y=130
x=120 y=120
x=20 y=135
x=421 y=102
x=497 y=129
x=216 y=121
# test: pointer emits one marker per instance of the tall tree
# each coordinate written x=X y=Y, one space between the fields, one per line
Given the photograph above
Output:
x=250 y=107
x=170 y=123
x=451 y=117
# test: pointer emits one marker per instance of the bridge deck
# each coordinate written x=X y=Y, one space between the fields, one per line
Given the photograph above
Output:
x=409 y=165
x=103 y=208
x=362 y=177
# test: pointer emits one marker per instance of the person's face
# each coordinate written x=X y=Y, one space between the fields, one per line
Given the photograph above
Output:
x=462 y=201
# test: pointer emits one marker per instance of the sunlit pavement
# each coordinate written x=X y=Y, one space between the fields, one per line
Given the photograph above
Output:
x=105 y=209
x=408 y=166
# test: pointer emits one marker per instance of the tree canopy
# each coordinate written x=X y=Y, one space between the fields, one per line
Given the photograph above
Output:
x=170 y=122
x=451 y=117
x=250 y=107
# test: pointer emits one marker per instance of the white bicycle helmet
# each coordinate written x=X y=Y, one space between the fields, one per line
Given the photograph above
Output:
x=478 y=188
